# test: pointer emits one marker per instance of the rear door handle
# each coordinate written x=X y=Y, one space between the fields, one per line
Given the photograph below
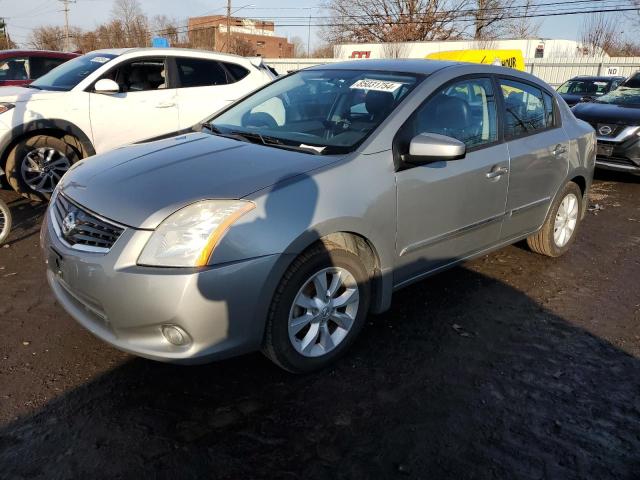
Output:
x=559 y=150
x=498 y=172
x=165 y=105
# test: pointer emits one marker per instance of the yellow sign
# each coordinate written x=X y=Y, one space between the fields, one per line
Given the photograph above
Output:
x=506 y=58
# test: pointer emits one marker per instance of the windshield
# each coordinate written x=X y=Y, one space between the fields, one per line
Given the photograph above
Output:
x=320 y=111
x=593 y=88
x=71 y=73
x=622 y=96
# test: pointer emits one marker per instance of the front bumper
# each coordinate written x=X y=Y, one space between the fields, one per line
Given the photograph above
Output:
x=223 y=308
x=621 y=155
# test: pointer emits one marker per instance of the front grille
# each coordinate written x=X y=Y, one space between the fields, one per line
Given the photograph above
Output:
x=80 y=228
x=614 y=129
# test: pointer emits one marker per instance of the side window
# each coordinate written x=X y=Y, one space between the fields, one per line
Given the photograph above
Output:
x=140 y=75
x=549 y=110
x=41 y=65
x=16 y=68
x=196 y=72
x=524 y=109
x=465 y=110
x=238 y=72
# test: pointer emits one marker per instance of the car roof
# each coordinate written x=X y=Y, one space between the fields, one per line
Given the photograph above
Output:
x=170 y=51
x=601 y=78
x=405 y=65
x=49 y=53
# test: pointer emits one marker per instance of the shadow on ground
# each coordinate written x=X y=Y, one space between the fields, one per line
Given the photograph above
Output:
x=465 y=377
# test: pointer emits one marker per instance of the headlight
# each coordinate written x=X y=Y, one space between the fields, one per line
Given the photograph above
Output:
x=187 y=237
x=5 y=107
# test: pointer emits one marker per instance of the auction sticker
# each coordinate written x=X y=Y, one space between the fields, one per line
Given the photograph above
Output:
x=100 y=59
x=377 y=85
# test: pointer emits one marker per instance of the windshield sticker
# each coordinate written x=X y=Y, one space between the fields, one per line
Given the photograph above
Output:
x=377 y=85
x=600 y=83
x=100 y=59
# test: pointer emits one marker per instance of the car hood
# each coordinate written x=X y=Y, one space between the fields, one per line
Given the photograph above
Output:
x=141 y=185
x=607 y=113
x=22 y=94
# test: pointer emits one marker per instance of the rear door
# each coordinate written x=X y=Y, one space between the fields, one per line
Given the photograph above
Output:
x=206 y=85
x=145 y=107
x=539 y=152
x=448 y=210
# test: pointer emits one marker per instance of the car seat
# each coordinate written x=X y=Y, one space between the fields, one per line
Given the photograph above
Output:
x=378 y=104
x=448 y=116
x=138 y=80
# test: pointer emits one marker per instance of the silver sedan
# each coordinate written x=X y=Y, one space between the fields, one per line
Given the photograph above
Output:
x=283 y=221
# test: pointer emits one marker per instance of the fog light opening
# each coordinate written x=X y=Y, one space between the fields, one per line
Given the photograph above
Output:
x=175 y=335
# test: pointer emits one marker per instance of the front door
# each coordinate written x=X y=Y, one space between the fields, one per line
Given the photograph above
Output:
x=539 y=151
x=143 y=108
x=448 y=210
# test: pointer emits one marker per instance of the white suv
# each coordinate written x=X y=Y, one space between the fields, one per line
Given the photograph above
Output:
x=110 y=98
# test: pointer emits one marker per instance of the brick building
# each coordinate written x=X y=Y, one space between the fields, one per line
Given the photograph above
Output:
x=248 y=37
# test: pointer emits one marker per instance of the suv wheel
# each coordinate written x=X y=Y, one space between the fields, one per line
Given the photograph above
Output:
x=319 y=308
x=35 y=165
x=5 y=221
x=559 y=229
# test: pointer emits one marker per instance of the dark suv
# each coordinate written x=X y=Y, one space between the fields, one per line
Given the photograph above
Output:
x=21 y=67
x=587 y=88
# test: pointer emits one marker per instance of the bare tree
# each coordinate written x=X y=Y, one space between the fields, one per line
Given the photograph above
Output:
x=168 y=28
x=599 y=34
x=128 y=17
x=395 y=50
x=393 y=20
x=242 y=47
x=47 y=37
x=526 y=26
x=491 y=18
x=323 y=51
x=299 y=47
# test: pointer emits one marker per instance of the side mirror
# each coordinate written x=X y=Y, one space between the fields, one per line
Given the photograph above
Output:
x=107 y=86
x=433 y=147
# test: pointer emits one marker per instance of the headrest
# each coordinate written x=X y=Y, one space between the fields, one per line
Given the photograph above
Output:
x=378 y=103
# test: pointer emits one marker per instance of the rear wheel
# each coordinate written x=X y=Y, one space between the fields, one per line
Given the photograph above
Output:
x=5 y=221
x=560 y=227
x=35 y=165
x=319 y=308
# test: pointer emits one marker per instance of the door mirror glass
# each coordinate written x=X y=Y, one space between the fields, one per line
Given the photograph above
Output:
x=433 y=147
x=106 y=85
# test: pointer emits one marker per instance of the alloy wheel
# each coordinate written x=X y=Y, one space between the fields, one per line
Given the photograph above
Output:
x=566 y=220
x=43 y=167
x=323 y=311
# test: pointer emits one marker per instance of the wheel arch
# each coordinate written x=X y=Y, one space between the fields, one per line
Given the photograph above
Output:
x=52 y=127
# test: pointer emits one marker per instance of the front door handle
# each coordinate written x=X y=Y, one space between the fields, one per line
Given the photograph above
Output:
x=498 y=172
x=165 y=105
x=559 y=150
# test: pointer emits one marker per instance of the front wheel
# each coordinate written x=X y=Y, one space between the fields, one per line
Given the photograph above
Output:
x=5 y=221
x=318 y=309
x=35 y=165
x=559 y=229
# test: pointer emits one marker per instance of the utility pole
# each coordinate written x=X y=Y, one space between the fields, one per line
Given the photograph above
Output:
x=228 y=24
x=67 y=46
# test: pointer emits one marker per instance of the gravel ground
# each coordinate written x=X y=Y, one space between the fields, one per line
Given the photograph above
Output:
x=510 y=366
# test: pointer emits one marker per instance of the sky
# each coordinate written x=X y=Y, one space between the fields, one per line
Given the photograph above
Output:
x=22 y=15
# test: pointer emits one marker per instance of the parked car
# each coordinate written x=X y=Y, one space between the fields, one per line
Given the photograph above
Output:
x=298 y=210
x=585 y=88
x=21 y=67
x=110 y=98
x=616 y=119
x=5 y=217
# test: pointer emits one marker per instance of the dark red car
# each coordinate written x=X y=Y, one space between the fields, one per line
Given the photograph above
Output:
x=21 y=67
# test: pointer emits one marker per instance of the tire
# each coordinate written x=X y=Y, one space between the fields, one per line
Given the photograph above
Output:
x=284 y=347
x=546 y=241
x=5 y=221
x=36 y=150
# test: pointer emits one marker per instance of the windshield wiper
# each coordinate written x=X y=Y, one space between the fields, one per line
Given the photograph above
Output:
x=34 y=86
x=275 y=142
